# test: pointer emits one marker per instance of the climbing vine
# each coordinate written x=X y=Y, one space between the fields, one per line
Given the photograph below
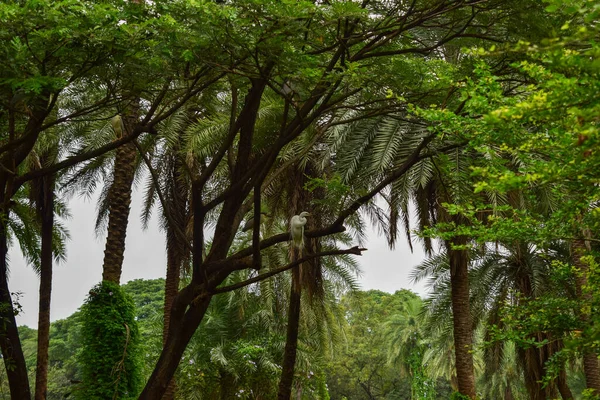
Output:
x=110 y=356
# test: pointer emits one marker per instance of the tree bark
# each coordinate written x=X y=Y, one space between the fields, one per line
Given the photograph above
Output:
x=291 y=340
x=176 y=250
x=183 y=323
x=563 y=387
x=591 y=368
x=119 y=202
x=47 y=218
x=171 y=288
x=12 y=352
x=461 y=312
x=533 y=361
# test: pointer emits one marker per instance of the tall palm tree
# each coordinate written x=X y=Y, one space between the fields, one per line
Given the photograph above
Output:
x=496 y=274
x=42 y=194
x=404 y=334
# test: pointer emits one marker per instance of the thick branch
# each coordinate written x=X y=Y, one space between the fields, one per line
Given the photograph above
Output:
x=337 y=226
x=354 y=250
x=282 y=237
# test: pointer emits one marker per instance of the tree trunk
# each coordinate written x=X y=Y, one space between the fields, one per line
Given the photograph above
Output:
x=171 y=288
x=461 y=312
x=12 y=352
x=590 y=358
x=291 y=340
x=119 y=202
x=533 y=362
x=176 y=250
x=47 y=219
x=183 y=324
x=563 y=387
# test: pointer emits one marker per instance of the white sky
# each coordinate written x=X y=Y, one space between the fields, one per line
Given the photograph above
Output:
x=145 y=257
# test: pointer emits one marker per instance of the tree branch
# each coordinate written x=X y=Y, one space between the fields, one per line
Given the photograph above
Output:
x=354 y=250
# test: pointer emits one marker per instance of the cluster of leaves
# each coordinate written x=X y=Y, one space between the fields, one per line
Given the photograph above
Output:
x=539 y=139
x=365 y=367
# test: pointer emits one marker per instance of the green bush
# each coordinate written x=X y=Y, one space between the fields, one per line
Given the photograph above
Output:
x=110 y=358
x=458 y=396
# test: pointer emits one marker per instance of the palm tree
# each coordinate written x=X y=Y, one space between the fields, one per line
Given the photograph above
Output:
x=404 y=334
x=42 y=196
x=428 y=184
x=579 y=249
x=496 y=275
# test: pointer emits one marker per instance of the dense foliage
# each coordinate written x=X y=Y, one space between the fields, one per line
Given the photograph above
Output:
x=110 y=349
x=481 y=116
x=237 y=353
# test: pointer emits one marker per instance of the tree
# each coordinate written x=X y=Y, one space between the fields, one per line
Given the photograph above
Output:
x=512 y=274
x=108 y=369
x=42 y=194
x=404 y=334
x=319 y=59
x=551 y=121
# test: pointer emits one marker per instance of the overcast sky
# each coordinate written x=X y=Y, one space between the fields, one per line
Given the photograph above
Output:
x=145 y=258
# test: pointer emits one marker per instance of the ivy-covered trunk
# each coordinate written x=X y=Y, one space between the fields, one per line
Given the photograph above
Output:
x=110 y=355
x=461 y=313
x=46 y=212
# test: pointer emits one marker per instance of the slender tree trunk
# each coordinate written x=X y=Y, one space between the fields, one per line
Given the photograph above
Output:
x=590 y=358
x=47 y=219
x=171 y=288
x=461 y=312
x=12 y=352
x=291 y=340
x=176 y=250
x=563 y=387
x=119 y=203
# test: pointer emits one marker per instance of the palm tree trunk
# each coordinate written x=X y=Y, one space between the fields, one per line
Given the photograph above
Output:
x=291 y=340
x=590 y=358
x=563 y=387
x=461 y=312
x=171 y=288
x=176 y=250
x=12 y=352
x=119 y=202
x=47 y=219
x=533 y=371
